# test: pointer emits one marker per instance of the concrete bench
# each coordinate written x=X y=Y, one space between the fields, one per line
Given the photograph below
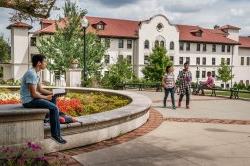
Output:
x=19 y=125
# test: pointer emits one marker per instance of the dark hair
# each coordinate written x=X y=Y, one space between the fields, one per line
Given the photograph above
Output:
x=168 y=67
x=37 y=58
x=209 y=72
x=186 y=63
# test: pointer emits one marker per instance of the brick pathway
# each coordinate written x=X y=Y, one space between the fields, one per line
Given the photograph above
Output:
x=64 y=158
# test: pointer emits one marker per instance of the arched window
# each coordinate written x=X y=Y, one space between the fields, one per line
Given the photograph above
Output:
x=162 y=44
x=171 y=45
x=146 y=44
x=156 y=43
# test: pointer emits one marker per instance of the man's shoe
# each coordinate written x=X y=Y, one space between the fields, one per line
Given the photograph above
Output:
x=174 y=107
x=187 y=107
x=59 y=140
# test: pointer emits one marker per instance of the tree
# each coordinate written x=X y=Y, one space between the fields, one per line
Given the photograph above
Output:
x=157 y=63
x=34 y=8
x=224 y=73
x=4 y=50
x=118 y=74
x=66 y=44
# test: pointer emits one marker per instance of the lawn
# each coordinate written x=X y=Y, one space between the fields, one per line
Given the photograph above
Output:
x=228 y=93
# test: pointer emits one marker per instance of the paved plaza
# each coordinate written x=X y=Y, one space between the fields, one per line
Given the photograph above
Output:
x=193 y=141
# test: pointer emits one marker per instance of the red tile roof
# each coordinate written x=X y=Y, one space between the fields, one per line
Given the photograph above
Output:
x=19 y=25
x=129 y=29
x=113 y=27
x=244 y=42
x=207 y=36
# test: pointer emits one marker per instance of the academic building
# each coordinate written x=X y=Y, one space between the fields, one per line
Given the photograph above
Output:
x=205 y=49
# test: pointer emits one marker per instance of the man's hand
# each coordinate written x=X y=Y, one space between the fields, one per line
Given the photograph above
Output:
x=49 y=97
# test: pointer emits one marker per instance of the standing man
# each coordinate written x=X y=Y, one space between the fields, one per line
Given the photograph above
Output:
x=184 y=79
x=34 y=96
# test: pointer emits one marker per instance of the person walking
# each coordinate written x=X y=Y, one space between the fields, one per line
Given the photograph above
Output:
x=168 y=83
x=184 y=78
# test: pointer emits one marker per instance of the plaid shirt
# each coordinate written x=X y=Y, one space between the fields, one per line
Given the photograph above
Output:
x=184 y=79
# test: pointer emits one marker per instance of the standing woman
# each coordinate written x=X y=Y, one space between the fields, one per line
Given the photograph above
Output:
x=168 y=83
x=184 y=79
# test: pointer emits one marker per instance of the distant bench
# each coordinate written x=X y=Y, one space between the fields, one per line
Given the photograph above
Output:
x=141 y=86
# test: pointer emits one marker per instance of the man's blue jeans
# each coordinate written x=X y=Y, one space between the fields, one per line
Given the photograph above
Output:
x=53 y=113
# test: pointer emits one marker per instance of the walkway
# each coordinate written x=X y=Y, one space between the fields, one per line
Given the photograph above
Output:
x=184 y=143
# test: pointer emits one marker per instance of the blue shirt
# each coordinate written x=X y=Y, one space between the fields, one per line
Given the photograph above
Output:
x=30 y=77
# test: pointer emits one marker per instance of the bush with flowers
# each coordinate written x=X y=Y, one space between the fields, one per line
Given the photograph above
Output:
x=76 y=104
x=28 y=155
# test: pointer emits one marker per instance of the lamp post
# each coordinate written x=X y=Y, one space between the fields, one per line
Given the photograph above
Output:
x=85 y=24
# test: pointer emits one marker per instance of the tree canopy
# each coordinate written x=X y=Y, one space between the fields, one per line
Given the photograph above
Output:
x=33 y=8
x=157 y=63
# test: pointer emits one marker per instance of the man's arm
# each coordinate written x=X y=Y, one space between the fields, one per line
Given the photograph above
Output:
x=43 y=91
x=34 y=94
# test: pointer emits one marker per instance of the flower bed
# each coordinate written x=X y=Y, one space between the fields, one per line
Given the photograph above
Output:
x=76 y=104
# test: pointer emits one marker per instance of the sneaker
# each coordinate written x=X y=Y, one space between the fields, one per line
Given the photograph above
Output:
x=187 y=107
x=174 y=107
x=59 y=140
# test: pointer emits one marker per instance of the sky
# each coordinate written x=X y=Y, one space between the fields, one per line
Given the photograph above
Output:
x=205 y=13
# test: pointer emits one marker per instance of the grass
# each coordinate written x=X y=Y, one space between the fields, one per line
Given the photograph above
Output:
x=228 y=93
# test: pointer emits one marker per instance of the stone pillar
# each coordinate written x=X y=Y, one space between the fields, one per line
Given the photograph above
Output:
x=73 y=77
x=19 y=125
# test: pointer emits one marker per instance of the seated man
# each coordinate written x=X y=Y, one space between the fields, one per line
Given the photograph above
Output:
x=207 y=84
x=34 y=96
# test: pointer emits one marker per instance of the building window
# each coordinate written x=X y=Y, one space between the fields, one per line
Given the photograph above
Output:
x=171 y=45
x=146 y=44
x=156 y=43
x=187 y=46
x=162 y=44
x=129 y=59
x=214 y=48
x=204 y=61
x=228 y=48
x=120 y=44
x=213 y=61
x=188 y=60
x=227 y=86
x=181 y=46
x=172 y=58
x=247 y=82
x=228 y=61
x=107 y=42
x=242 y=61
x=198 y=60
x=100 y=26
x=248 y=61
x=120 y=57
x=222 y=86
x=223 y=48
x=197 y=73
x=204 y=48
x=203 y=74
x=146 y=59
x=213 y=73
x=222 y=61
x=198 y=48
x=129 y=44
x=181 y=60
x=33 y=41
x=106 y=59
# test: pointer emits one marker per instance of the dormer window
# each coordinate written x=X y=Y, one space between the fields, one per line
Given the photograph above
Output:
x=197 y=32
x=100 y=26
